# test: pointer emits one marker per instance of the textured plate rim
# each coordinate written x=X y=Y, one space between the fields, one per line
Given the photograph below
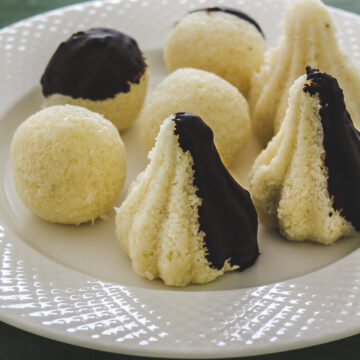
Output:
x=58 y=334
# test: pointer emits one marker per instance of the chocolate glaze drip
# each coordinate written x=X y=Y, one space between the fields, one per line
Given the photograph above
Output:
x=227 y=215
x=341 y=143
x=95 y=64
x=235 y=12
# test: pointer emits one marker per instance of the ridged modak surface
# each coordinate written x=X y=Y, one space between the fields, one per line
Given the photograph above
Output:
x=309 y=39
x=306 y=182
x=185 y=219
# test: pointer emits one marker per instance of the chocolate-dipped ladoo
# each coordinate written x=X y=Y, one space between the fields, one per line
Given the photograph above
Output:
x=185 y=219
x=221 y=40
x=100 y=69
x=306 y=181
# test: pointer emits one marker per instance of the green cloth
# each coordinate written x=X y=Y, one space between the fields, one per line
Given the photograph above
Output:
x=349 y=5
x=14 y=10
x=16 y=344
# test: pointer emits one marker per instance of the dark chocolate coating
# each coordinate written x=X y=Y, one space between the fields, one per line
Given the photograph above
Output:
x=234 y=12
x=96 y=64
x=341 y=142
x=227 y=215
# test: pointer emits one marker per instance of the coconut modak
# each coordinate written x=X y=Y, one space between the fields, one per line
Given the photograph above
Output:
x=185 y=219
x=310 y=38
x=306 y=181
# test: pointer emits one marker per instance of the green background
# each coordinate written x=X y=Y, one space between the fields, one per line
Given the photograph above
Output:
x=16 y=344
x=14 y=10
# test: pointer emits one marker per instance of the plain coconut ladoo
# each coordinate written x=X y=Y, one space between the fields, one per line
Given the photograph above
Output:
x=68 y=164
x=100 y=69
x=221 y=40
x=216 y=101
x=309 y=39
x=306 y=182
x=185 y=219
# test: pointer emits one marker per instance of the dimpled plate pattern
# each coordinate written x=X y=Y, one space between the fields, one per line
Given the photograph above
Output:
x=49 y=299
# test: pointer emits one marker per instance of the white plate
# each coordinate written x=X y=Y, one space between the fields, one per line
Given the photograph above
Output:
x=74 y=284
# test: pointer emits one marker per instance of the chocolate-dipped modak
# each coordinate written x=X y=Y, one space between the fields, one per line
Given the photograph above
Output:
x=306 y=181
x=185 y=219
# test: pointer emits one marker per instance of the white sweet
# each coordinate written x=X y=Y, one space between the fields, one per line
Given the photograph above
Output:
x=216 y=101
x=288 y=183
x=68 y=164
x=218 y=42
x=309 y=39
x=157 y=224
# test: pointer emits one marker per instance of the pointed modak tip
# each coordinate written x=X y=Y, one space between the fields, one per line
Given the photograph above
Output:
x=308 y=13
x=192 y=129
x=321 y=83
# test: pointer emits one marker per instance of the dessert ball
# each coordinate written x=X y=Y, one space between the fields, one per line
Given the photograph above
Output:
x=68 y=164
x=310 y=38
x=215 y=100
x=221 y=40
x=185 y=219
x=100 y=69
x=306 y=182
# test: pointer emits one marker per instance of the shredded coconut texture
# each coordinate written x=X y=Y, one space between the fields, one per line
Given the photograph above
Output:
x=121 y=110
x=68 y=164
x=218 y=42
x=157 y=224
x=289 y=178
x=309 y=39
x=216 y=101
